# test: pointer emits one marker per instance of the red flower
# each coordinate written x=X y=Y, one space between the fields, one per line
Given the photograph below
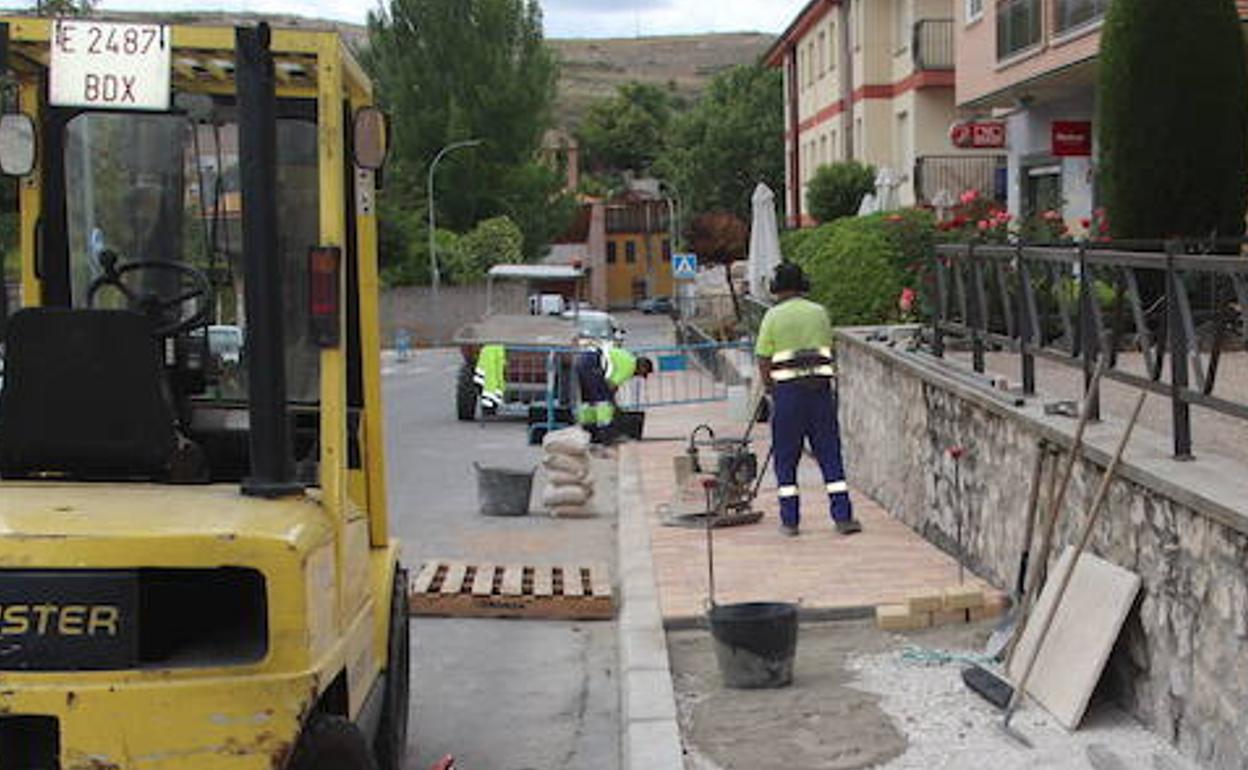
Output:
x=906 y=301
x=983 y=225
x=969 y=197
x=956 y=452
x=1085 y=223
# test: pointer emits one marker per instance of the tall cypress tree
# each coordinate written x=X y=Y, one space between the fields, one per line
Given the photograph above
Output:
x=1173 y=118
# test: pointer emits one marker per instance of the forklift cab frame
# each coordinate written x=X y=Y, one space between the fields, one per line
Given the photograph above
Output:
x=222 y=607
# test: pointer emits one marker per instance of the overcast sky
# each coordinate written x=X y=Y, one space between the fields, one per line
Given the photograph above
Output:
x=564 y=18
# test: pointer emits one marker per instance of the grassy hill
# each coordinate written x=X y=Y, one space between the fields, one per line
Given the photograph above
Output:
x=591 y=68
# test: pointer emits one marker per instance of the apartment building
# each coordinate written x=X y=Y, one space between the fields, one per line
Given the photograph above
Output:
x=1031 y=64
x=873 y=80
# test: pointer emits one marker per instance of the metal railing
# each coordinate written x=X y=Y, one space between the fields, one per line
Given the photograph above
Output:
x=933 y=44
x=541 y=380
x=1184 y=301
x=688 y=374
x=955 y=174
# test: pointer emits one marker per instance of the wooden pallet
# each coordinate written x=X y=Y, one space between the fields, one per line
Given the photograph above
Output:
x=457 y=589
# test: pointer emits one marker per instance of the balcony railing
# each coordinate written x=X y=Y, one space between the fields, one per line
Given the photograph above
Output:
x=1019 y=26
x=933 y=44
x=955 y=174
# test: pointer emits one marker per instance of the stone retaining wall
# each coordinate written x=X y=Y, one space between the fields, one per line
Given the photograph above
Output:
x=1181 y=665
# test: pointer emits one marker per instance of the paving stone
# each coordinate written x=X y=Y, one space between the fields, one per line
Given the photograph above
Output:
x=949 y=617
x=897 y=617
x=963 y=598
x=928 y=600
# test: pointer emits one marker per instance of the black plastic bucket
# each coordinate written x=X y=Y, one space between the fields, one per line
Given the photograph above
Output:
x=504 y=491
x=755 y=644
x=630 y=424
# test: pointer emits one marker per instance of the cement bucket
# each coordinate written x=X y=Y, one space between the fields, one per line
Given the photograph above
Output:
x=755 y=644
x=503 y=491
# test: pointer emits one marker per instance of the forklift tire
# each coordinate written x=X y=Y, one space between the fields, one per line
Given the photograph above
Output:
x=466 y=394
x=332 y=743
x=390 y=744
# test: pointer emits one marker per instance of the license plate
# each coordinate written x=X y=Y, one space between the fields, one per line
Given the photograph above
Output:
x=110 y=65
x=68 y=621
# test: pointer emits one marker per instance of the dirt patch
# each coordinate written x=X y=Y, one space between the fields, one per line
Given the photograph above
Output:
x=822 y=722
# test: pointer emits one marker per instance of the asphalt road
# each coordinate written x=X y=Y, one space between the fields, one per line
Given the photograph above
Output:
x=496 y=694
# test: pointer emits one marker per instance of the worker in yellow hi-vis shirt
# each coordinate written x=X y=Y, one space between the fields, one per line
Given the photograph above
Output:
x=794 y=351
x=491 y=377
x=600 y=371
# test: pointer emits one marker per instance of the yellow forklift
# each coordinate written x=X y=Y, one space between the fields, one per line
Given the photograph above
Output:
x=195 y=567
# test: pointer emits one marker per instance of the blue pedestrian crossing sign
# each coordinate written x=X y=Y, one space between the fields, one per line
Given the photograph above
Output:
x=685 y=266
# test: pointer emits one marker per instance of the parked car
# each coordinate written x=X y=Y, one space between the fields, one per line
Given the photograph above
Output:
x=597 y=325
x=655 y=305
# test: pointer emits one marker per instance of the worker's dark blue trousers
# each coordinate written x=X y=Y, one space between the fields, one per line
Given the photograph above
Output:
x=597 y=410
x=806 y=410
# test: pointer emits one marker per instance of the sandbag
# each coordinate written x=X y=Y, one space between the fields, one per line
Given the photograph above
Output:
x=569 y=441
x=557 y=478
x=570 y=511
x=565 y=496
x=567 y=464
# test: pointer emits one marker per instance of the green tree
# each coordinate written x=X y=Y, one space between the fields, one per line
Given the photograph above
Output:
x=628 y=131
x=64 y=7
x=492 y=242
x=837 y=190
x=721 y=238
x=731 y=140
x=1173 y=118
x=448 y=71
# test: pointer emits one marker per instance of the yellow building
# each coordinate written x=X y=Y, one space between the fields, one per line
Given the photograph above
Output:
x=637 y=257
x=873 y=81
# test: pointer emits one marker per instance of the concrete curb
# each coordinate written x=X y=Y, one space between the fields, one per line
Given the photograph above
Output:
x=649 y=732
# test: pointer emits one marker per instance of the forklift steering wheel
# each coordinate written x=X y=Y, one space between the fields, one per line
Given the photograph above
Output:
x=165 y=312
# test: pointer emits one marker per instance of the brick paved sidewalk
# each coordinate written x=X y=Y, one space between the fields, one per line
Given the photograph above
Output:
x=818 y=570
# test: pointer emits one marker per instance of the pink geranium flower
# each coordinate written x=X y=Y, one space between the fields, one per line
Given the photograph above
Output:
x=906 y=301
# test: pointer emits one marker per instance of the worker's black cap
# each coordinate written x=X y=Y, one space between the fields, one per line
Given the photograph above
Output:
x=789 y=277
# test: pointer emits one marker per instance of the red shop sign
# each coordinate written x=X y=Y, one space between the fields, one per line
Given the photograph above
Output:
x=1072 y=138
x=978 y=135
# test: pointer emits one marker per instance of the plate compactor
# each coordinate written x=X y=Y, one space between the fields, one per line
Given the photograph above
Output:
x=729 y=482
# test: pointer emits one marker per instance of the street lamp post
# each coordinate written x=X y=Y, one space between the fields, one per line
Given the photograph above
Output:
x=434 y=274
x=673 y=222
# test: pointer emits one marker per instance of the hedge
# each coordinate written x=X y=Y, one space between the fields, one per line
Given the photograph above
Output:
x=858 y=266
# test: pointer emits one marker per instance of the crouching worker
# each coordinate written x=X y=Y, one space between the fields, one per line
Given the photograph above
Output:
x=795 y=362
x=490 y=377
x=600 y=371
